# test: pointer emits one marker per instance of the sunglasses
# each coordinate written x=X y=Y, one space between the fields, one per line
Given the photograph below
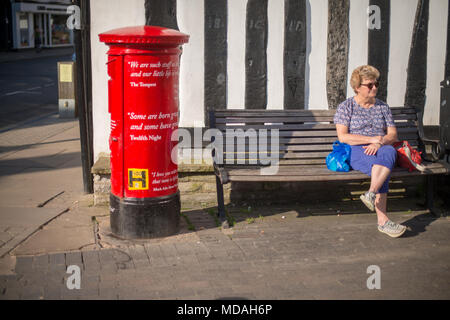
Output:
x=371 y=85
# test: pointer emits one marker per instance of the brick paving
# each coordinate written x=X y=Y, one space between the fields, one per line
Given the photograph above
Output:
x=313 y=257
x=300 y=251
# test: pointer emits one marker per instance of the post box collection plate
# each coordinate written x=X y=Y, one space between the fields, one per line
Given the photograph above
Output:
x=143 y=66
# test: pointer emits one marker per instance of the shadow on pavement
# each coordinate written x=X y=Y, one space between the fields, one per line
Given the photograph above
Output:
x=41 y=163
x=206 y=218
x=42 y=120
x=5 y=149
x=418 y=224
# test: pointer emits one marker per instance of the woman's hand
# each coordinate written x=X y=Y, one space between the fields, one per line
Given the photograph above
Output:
x=372 y=149
x=377 y=139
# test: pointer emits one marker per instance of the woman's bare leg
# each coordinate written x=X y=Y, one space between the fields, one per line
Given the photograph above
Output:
x=378 y=177
x=381 y=208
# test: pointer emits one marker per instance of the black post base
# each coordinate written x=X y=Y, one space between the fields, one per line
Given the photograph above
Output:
x=136 y=218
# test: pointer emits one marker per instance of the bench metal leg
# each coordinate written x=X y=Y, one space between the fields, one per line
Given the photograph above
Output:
x=220 y=200
x=429 y=196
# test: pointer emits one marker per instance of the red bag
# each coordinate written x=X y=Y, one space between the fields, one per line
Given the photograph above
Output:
x=407 y=157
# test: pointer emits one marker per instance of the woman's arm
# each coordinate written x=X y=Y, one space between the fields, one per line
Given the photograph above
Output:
x=391 y=136
x=356 y=139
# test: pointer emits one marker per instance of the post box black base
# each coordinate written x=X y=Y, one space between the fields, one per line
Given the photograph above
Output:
x=144 y=218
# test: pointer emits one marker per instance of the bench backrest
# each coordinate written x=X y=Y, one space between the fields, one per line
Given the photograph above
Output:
x=305 y=136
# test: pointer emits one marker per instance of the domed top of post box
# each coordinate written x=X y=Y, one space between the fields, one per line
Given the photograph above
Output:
x=144 y=35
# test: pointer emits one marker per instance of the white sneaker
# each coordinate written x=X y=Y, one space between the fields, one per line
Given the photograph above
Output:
x=368 y=199
x=392 y=229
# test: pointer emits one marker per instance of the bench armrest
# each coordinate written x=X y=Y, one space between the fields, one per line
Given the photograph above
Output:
x=221 y=173
x=437 y=150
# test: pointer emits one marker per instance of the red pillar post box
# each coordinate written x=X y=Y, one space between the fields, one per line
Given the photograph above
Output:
x=143 y=66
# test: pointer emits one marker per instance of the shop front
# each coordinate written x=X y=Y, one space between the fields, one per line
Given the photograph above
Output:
x=37 y=25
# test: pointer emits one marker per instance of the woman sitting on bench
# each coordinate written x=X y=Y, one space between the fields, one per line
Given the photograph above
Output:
x=365 y=123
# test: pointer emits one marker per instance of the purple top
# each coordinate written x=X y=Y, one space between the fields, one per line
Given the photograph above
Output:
x=367 y=122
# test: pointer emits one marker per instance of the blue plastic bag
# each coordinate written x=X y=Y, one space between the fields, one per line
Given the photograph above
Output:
x=339 y=159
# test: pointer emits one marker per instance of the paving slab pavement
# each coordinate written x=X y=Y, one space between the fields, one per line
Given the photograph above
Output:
x=17 y=223
x=40 y=176
x=281 y=254
x=291 y=251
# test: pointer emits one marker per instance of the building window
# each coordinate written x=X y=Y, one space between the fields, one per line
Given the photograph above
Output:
x=37 y=25
x=60 y=32
x=24 y=31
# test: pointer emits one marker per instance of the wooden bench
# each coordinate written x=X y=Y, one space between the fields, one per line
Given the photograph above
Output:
x=305 y=139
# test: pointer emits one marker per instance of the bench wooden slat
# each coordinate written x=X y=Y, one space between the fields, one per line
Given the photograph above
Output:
x=308 y=141
x=315 y=170
x=288 y=155
x=309 y=126
x=268 y=113
x=302 y=127
x=299 y=141
x=322 y=112
x=293 y=162
x=281 y=162
x=311 y=140
x=278 y=178
x=273 y=120
x=294 y=119
x=395 y=111
x=290 y=134
x=403 y=134
x=314 y=147
x=245 y=147
x=287 y=139
x=255 y=174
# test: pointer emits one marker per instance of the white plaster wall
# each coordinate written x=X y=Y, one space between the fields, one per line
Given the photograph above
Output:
x=107 y=15
x=359 y=37
x=190 y=18
x=275 y=54
x=111 y=14
x=236 y=54
x=403 y=13
x=437 y=44
x=316 y=49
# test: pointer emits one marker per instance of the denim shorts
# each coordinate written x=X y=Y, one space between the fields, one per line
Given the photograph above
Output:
x=385 y=156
